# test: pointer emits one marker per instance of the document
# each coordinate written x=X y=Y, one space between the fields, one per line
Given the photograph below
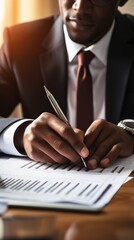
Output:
x=24 y=182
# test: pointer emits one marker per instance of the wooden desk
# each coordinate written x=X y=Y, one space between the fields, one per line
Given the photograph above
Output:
x=115 y=222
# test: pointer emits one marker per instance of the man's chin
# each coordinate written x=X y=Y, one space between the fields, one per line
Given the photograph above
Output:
x=78 y=38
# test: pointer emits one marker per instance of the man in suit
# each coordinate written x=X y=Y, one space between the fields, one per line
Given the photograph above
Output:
x=43 y=52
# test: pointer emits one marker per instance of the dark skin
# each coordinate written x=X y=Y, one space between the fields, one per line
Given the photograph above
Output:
x=85 y=22
x=47 y=138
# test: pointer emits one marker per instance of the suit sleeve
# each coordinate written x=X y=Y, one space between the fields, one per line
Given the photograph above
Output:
x=6 y=122
x=9 y=94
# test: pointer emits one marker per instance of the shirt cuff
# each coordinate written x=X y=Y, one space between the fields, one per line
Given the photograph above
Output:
x=7 y=139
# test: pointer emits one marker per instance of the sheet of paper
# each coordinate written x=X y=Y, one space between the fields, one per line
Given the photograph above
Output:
x=23 y=179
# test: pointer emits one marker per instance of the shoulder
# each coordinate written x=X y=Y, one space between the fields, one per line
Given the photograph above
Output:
x=124 y=28
x=35 y=24
x=36 y=29
x=125 y=21
x=130 y=20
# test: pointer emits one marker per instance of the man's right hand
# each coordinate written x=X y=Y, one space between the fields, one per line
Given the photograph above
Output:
x=49 y=139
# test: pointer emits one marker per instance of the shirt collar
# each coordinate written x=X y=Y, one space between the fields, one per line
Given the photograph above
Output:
x=100 y=49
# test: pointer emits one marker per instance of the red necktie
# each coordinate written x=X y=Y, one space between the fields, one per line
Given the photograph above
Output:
x=84 y=91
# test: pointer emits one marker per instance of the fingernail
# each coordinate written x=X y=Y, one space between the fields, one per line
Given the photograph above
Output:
x=92 y=164
x=84 y=152
x=105 y=162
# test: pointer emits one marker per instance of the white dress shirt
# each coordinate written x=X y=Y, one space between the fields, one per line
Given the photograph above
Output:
x=98 y=71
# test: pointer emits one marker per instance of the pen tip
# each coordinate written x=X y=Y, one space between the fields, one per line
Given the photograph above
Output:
x=84 y=163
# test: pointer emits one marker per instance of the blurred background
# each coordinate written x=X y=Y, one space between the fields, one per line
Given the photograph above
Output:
x=16 y=11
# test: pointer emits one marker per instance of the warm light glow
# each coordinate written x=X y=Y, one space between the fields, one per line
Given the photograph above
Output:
x=2 y=18
x=2 y=10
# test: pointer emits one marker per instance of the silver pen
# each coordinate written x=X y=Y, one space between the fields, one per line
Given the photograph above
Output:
x=59 y=112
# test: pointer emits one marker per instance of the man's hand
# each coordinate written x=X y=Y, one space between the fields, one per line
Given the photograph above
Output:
x=106 y=142
x=48 y=139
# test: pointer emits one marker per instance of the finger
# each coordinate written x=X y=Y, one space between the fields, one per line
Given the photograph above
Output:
x=58 y=148
x=57 y=134
x=104 y=162
x=38 y=144
x=93 y=132
x=42 y=137
x=98 y=151
x=113 y=154
x=67 y=133
x=80 y=134
x=39 y=156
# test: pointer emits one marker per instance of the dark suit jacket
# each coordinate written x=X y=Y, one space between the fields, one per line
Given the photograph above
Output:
x=34 y=54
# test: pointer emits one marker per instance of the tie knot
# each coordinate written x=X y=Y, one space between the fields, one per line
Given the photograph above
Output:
x=85 y=57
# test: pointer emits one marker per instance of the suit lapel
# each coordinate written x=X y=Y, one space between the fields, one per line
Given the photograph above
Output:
x=120 y=59
x=54 y=64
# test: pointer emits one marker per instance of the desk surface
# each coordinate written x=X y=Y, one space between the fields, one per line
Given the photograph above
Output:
x=115 y=222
